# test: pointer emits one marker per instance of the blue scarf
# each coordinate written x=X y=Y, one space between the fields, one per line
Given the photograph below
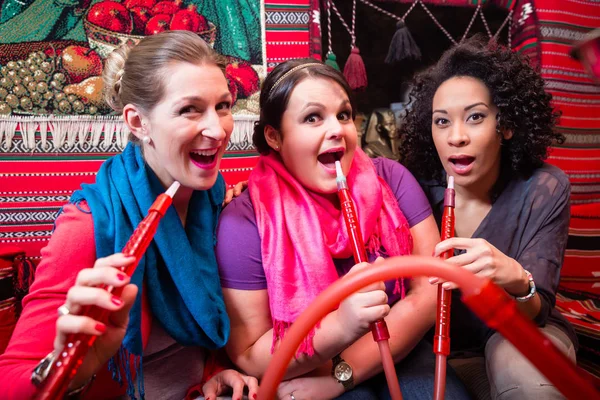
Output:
x=179 y=267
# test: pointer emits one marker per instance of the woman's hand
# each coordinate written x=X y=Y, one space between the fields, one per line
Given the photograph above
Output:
x=85 y=293
x=230 y=378
x=310 y=387
x=364 y=307
x=237 y=190
x=486 y=261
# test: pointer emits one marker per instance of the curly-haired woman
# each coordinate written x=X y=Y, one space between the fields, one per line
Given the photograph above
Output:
x=482 y=116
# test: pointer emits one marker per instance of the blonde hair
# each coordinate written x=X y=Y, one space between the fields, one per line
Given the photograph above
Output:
x=135 y=74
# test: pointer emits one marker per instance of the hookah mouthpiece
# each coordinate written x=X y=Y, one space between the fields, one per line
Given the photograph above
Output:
x=449 y=193
x=172 y=189
x=340 y=179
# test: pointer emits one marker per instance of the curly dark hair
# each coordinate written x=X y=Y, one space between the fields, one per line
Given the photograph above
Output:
x=516 y=89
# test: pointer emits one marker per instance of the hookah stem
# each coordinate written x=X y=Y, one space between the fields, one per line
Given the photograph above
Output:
x=378 y=328
x=77 y=345
x=441 y=340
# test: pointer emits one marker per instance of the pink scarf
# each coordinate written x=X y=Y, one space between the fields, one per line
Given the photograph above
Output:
x=298 y=261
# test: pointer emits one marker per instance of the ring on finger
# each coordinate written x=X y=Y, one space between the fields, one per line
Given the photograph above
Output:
x=63 y=310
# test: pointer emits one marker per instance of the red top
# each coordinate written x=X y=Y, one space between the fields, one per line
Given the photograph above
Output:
x=71 y=249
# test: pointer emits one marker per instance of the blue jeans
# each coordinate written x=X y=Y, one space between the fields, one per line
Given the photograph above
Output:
x=415 y=375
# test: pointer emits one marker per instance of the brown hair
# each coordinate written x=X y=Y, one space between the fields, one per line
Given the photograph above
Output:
x=277 y=88
x=134 y=74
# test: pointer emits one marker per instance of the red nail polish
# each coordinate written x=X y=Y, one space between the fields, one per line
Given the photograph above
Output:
x=116 y=301
x=254 y=396
x=121 y=277
x=100 y=327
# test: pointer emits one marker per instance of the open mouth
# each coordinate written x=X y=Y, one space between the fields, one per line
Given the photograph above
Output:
x=461 y=163
x=204 y=158
x=328 y=158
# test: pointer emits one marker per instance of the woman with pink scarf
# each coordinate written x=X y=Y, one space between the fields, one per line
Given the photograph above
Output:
x=291 y=243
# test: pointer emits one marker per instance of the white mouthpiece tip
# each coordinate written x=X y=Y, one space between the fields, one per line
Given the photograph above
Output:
x=338 y=169
x=450 y=182
x=173 y=189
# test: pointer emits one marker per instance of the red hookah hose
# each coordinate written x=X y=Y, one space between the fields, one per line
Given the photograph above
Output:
x=488 y=301
x=441 y=340
x=77 y=345
x=378 y=328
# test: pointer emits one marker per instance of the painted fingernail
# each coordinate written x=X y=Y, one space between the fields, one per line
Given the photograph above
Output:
x=100 y=327
x=116 y=301
x=254 y=396
x=433 y=280
x=121 y=277
x=446 y=286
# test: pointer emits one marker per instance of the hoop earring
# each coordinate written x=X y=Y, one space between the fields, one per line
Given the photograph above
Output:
x=146 y=139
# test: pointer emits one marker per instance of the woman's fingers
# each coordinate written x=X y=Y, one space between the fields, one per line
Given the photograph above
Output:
x=373 y=314
x=120 y=317
x=252 y=384
x=79 y=296
x=238 y=388
x=101 y=276
x=372 y=298
x=68 y=324
x=232 y=379
x=374 y=286
x=228 y=197
x=239 y=188
x=453 y=243
x=115 y=260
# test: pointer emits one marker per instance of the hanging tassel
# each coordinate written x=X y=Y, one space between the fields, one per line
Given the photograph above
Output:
x=355 y=71
x=402 y=45
x=332 y=61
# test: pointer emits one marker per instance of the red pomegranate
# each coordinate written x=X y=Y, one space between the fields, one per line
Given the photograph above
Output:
x=111 y=15
x=244 y=76
x=166 y=7
x=131 y=4
x=232 y=89
x=140 y=16
x=157 y=24
x=188 y=19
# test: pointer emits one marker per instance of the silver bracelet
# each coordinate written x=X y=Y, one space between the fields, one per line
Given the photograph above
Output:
x=532 y=289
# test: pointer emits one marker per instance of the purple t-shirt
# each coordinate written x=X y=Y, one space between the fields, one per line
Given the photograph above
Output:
x=238 y=241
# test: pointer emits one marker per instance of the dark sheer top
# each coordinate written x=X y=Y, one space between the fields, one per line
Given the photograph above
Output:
x=528 y=221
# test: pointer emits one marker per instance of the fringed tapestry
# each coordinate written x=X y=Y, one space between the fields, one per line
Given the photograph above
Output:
x=55 y=131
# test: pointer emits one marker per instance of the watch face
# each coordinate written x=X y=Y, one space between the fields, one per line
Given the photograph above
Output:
x=343 y=371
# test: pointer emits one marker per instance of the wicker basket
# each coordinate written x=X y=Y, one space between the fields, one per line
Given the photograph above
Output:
x=104 y=41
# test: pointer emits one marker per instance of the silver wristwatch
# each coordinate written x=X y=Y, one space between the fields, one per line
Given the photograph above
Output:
x=342 y=372
x=532 y=289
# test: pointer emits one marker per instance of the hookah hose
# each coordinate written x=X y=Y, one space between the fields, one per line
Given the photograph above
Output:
x=441 y=340
x=378 y=328
x=77 y=345
x=487 y=300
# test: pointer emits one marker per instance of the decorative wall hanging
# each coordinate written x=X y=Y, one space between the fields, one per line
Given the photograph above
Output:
x=51 y=56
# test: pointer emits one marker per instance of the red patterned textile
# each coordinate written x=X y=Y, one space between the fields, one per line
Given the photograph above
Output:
x=584 y=314
x=36 y=180
x=561 y=23
x=581 y=270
